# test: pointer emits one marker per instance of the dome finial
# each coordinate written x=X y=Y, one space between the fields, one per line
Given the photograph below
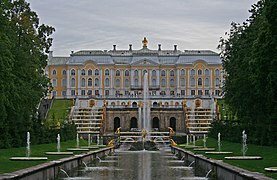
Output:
x=144 y=42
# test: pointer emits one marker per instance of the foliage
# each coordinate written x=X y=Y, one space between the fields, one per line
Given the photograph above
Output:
x=249 y=58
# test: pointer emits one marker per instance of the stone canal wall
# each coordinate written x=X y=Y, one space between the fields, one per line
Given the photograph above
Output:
x=50 y=170
x=219 y=169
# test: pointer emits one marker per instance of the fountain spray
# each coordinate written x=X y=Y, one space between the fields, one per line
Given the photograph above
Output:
x=28 y=150
x=58 y=143
x=218 y=142
x=244 y=145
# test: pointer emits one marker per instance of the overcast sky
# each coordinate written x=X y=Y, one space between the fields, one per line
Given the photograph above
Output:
x=98 y=24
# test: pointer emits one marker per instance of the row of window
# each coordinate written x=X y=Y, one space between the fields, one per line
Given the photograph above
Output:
x=136 y=82
x=136 y=73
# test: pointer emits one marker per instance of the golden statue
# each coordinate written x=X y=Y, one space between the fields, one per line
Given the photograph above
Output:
x=143 y=133
x=58 y=124
x=173 y=143
x=118 y=131
x=110 y=143
x=144 y=42
x=171 y=132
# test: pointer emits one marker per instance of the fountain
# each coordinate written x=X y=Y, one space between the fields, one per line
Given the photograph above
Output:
x=219 y=147
x=59 y=148
x=205 y=148
x=58 y=143
x=28 y=152
x=146 y=108
x=77 y=145
x=244 y=150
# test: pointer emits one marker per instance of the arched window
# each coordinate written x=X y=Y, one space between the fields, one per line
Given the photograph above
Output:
x=117 y=83
x=127 y=73
x=217 y=82
x=54 y=72
x=172 y=82
x=144 y=71
x=89 y=82
x=136 y=82
x=83 y=72
x=171 y=73
x=126 y=83
x=192 y=82
x=117 y=73
x=154 y=82
x=154 y=73
x=107 y=72
x=96 y=82
x=73 y=82
x=199 y=72
x=72 y=72
x=207 y=72
x=136 y=73
x=96 y=72
x=107 y=82
x=163 y=73
x=192 y=72
x=64 y=72
x=183 y=82
x=217 y=72
x=83 y=82
x=63 y=82
x=54 y=82
x=199 y=82
x=207 y=82
x=90 y=72
x=183 y=72
x=163 y=83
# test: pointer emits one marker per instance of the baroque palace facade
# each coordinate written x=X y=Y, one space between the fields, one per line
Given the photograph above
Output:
x=183 y=87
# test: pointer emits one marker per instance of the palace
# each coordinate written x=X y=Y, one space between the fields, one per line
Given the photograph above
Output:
x=183 y=87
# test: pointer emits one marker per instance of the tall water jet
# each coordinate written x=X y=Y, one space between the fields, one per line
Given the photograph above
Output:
x=88 y=140
x=28 y=150
x=77 y=141
x=204 y=141
x=98 y=139
x=146 y=106
x=244 y=145
x=213 y=107
x=58 y=143
x=218 y=142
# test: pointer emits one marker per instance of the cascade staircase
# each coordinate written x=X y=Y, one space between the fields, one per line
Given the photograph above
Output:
x=157 y=137
x=88 y=120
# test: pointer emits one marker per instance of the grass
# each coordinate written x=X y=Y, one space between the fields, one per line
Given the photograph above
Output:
x=268 y=153
x=59 y=111
x=7 y=165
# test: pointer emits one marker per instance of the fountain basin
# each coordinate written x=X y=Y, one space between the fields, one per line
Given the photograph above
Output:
x=204 y=149
x=190 y=146
x=28 y=158
x=77 y=149
x=271 y=169
x=59 y=153
x=219 y=152
x=89 y=147
x=244 y=158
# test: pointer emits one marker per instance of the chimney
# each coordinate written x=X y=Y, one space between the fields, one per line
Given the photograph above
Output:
x=50 y=54
x=130 y=47
x=114 y=47
x=159 y=47
x=175 y=47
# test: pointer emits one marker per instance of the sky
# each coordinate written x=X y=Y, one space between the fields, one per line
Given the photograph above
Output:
x=99 y=24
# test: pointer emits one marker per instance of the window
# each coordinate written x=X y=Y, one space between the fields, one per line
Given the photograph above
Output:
x=154 y=82
x=144 y=72
x=63 y=93
x=83 y=72
x=171 y=73
x=63 y=82
x=89 y=82
x=207 y=72
x=207 y=92
x=163 y=83
x=127 y=73
x=183 y=72
x=192 y=92
x=217 y=92
x=96 y=82
x=136 y=72
x=117 y=83
x=72 y=92
x=183 y=82
x=64 y=72
x=107 y=92
x=90 y=72
x=107 y=72
x=172 y=82
x=207 y=82
x=200 y=92
x=163 y=73
x=199 y=72
x=154 y=73
x=96 y=72
x=54 y=72
x=54 y=93
x=199 y=82
x=192 y=72
x=162 y=93
x=172 y=93
x=126 y=83
x=117 y=73
x=89 y=92
x=192 y=82
x=217 y=82
x=83 y=82
x=73 y=72
x=136 y=82
x=183 y=92
x=73 y=82
x=96 y=92
x=107 y=82
x=54 y=82
x=217 y=72
x=83 y=92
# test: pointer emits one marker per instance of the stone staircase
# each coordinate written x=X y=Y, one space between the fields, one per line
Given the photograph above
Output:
x=88 y=120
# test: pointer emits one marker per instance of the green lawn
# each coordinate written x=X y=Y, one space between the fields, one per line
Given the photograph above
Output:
x=7 y=165
x=269 y=155
x=59 y=111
